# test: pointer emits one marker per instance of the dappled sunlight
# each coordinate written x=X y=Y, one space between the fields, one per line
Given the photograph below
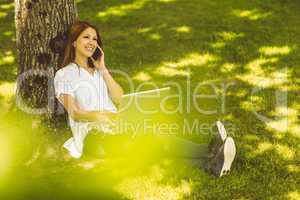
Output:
x=192 y=59
x=293 y=168
x=123 y=9
x=262 y=148
x=253 y=15
x=295 y=195
x=183 y=29
x=50 y=152
x=278 y=127
x=170 y=72
x=3 y=14
x=171 y=69
x=284 y=151
x=230 y=36
x=8 y=59
x=257 y=76
x=225 y=37
x=274 y=51
x=166 y=1
x=218 y=45
x=155 y=36
x=8 y=33
x=255 y=103
x=240 y=93
x=293 y=121
x=7 y=91
x=144 y=30
x=142 y=76
x=7 y=6
x=228 y=67
x=286 y=123
x=151 y=187
x=88 y=165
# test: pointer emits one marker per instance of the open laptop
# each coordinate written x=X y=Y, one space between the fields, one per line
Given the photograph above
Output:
x=142 y=111
x=144 y=101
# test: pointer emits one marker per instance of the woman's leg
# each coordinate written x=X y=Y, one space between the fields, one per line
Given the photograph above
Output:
x=175 y=146
x=144 y=145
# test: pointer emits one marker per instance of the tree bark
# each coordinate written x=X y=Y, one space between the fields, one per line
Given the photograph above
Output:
x=41 y=27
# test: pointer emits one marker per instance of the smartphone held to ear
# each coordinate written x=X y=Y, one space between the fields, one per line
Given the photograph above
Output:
x=97 y=54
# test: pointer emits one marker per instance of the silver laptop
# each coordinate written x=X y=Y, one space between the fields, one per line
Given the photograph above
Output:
x=142 y=111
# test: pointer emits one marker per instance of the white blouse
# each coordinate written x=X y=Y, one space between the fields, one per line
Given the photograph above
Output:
x=90 y=92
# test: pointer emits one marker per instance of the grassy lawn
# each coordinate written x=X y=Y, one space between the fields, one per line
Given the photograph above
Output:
x=248 y=50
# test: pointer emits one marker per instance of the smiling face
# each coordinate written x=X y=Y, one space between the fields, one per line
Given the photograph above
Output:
x=86 y=43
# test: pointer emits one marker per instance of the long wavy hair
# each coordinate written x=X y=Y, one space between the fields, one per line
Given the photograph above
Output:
x=73 y=33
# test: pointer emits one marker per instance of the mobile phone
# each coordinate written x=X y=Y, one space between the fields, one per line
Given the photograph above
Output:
x=97 y=54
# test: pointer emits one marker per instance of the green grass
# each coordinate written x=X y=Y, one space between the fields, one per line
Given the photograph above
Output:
x=248 y=44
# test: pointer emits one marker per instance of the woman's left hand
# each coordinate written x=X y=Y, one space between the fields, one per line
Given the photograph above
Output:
x=99 y=63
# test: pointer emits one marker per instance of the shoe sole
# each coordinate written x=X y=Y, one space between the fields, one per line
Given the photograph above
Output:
x=221 y=130
x=229 y=154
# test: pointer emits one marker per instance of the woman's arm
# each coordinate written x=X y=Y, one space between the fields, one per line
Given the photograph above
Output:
x=79 y=114
x=114 y=89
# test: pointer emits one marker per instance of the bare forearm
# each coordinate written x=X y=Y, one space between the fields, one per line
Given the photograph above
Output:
x=115 y=90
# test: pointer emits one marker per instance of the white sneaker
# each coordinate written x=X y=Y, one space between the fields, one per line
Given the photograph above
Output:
x=223 y=160
x=221 y=130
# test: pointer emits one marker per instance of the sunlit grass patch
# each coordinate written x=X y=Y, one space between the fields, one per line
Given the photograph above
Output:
x=7 y=6
x=144 y=30
x=230 y=36
x=285 y=152
x=225 y=37
x=218 y=45
x=183 y=29
x=253 y=14
x=142 y=76
x=293 y=168
x=166 y=1
x=258 y=76
x=295 y=195
x=123 y=9
x=272 y=51
x=155 y=36
x=228 y=67
x=8 y=33
x=9 y=59
x=263 y=147
x=7 y=91
x=192 y=59
x=151 y=187
x=3 y=14
x=285 y=121
x=171 y=72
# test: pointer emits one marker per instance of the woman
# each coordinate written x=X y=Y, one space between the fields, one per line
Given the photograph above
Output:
x=89 y=94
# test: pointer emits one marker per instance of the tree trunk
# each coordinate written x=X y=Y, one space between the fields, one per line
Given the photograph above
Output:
x=41 y=27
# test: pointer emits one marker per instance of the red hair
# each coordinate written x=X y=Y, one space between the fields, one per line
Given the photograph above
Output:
x=75 y=30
